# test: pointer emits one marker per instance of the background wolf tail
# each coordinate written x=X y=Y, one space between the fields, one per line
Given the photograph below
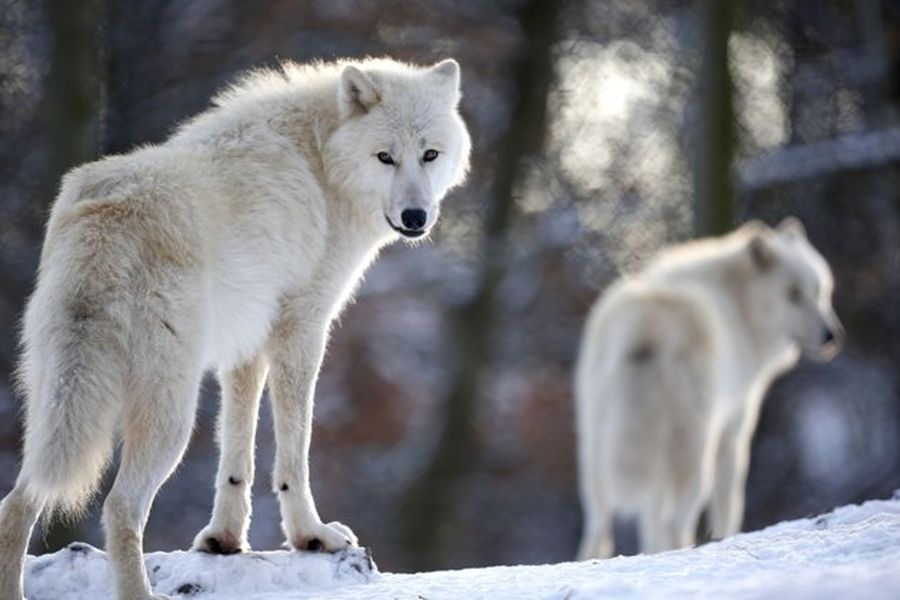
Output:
x=72 y=375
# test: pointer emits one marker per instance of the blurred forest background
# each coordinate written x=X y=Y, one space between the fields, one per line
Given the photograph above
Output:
x=602 y=131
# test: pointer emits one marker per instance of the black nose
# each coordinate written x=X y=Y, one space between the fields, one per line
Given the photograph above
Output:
x=414 y=218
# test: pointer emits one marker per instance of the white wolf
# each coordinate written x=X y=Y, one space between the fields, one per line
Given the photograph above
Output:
x=231 y=246
x=673 y=366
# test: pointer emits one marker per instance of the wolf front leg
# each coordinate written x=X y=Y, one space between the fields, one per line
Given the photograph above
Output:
x=726 y=509
x=241 y=391
x=296 y=357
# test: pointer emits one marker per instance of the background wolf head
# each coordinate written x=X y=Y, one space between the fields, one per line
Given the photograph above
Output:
x=789 y=290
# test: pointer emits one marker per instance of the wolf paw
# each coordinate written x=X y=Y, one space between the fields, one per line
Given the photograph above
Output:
x=325 y=537
x=217 y=541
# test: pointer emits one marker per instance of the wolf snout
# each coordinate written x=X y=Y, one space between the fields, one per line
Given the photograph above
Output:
x=832 y=339
x=414 y=219
x=412 y=223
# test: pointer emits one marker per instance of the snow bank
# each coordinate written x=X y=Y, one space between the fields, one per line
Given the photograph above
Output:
x=851 y=551
x=81 y=572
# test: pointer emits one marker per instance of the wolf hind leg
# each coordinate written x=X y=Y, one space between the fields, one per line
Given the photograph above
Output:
x=653 y=534
x=241 y=391
x=693 y=494
x=597 y=536
x=157 y=426
x=686 y=515
x=596 y=502
x=18 y=514
x=688 y=480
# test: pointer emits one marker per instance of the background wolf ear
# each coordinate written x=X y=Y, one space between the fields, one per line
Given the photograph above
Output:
x=792 y=227
x=755 y=227
x=447 y=73
x=358 y=93
x=761 y=254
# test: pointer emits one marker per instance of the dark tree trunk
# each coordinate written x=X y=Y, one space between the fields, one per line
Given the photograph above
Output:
x=713 y=187
x=432 y=497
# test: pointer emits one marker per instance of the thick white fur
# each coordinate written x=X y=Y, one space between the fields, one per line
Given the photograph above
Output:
x=231 y=246
x=671 y=374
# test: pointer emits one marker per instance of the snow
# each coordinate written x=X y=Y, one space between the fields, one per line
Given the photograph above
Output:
x=851 y=551
x=80 y=572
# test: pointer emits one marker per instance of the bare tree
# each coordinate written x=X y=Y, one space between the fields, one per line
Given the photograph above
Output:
x=713 y=189
x=431 y=498
x=74 y=90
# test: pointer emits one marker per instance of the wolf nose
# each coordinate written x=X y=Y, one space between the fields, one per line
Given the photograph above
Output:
x=833 y=336
x=414 y=218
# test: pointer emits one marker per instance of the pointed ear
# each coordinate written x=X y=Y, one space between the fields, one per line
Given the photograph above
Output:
x=448 y=68
x=446 y=73
x=358 y=93
x=792 y=227
x=761 y=253
x=755 y=227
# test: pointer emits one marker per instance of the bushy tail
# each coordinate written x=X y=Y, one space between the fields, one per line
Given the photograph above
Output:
x=72 y=374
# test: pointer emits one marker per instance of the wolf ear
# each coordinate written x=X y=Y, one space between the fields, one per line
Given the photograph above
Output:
x=755 y=227
x=446 y=73
x=792 y=227
x=761 y=253
x=357 y=93
x=448 y=68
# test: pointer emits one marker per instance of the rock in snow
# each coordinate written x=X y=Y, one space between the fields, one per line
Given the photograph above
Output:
x=851 y=552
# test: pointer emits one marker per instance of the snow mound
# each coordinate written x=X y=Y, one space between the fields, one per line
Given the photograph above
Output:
x=851 y=551
x=81 y=572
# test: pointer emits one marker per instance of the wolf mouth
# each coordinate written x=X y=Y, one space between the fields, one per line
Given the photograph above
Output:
x=410 y=233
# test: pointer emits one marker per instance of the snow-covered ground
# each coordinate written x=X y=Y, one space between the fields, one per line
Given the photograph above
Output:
x=852 y=552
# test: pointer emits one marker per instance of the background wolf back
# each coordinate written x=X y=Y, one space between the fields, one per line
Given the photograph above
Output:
x=399 y=408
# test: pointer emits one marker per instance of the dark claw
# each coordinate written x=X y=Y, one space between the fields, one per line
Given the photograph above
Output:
x=214 y=545
x=228 y=544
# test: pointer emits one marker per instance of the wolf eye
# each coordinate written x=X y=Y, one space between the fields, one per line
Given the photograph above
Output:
x=385 y=158
x=795 y=294
x=430 y=155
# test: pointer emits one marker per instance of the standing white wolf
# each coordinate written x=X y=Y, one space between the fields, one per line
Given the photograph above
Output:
x=231 y=246
x=673 y=367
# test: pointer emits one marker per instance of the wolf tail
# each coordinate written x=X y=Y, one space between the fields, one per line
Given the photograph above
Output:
x=72 y=374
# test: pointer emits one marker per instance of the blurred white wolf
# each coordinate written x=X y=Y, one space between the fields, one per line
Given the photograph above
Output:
x=673 y=366
x=231 y=246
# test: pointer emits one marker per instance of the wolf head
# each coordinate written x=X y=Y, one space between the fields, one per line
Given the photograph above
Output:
x=401 y=144
x=790 y=288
